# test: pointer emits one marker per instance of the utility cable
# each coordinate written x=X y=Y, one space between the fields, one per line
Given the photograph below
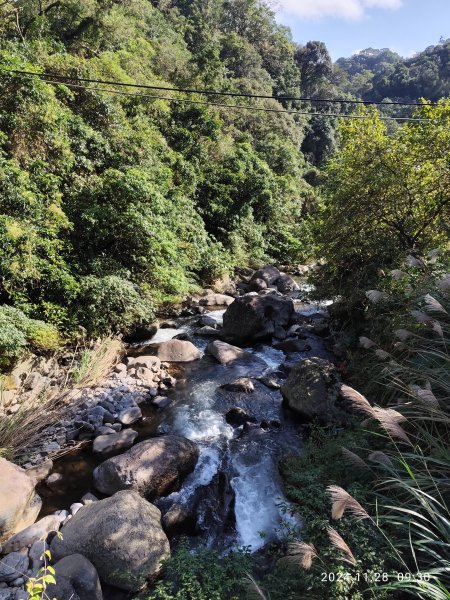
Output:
x=210 y=92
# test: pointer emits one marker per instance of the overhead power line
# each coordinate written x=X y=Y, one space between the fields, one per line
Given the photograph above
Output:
x=208 y=103
x=232 y=106
x=45 y=75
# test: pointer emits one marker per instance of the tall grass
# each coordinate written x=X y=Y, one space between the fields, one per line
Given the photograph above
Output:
x=412 y=486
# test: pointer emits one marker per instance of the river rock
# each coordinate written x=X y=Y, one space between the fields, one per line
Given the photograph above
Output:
x=151 y=468
x=19 y=503
x=121 y=536
x=36 y=554
x=178 y=520
x=312 y=389
x=237 y=416
x=257 y=285
x=207 y=331
x=76 y=579
x=225 y=353
x=292 y=346
x=178 y=351
x=286 y=284
x=268 y=274
x=13 y=566
x=252 y=318
x=130 y=415
x=114 y=442
x=242 y=384
x=147 y=362
x=161 y=402
x=213 y=299
x=41 y=471
x=32 y=533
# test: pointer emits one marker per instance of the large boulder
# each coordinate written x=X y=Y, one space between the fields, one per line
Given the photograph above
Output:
x=19 y=503
x=268 y=274
x=287 y=284
x=252 y=318
x=312 y=389
x=151 y=468
x=177 y=351
x=121 y=536
x=76 y=579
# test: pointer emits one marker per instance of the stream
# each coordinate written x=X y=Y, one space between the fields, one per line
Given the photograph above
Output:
x=235 y=487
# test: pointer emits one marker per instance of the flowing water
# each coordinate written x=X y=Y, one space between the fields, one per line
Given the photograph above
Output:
x=235 y=487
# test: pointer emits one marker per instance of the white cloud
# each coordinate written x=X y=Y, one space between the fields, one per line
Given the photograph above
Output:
x=346 y=9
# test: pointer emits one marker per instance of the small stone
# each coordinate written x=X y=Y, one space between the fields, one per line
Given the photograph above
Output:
x=88 y=498
x=162 y=401
x=130 y=415
x=116 y=442
x=54 y=480
x=242 y=384
x=75 y=507
x=120 y=368
x=163 y=429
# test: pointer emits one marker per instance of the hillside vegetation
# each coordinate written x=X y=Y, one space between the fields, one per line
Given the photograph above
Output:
x=113 y=204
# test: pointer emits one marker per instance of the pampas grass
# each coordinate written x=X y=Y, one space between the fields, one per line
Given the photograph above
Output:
x=301 y=553
x=339 y=543
x=342 y=501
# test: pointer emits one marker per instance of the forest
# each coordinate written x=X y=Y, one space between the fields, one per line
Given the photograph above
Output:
x=154 y=149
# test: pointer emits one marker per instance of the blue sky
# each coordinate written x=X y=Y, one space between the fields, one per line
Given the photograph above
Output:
x=346 y=26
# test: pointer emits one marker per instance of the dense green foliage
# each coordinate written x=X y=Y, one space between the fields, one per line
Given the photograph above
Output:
x=112 y=204
x=388 y=193
x=203 y=576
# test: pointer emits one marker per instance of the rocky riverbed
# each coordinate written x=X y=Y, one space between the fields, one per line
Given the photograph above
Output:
x=183 y=438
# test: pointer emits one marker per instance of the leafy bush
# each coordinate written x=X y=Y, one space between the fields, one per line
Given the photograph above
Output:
x=202 y=575
x=17 y=331
x=111 y=303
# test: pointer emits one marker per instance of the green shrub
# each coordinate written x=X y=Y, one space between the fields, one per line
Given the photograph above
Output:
x=111 y=303
x=202 y=575
x=17 y=331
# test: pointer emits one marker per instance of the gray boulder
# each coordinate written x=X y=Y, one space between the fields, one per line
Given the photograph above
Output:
x=151 y=468
x=225 y=353
x=13 y=566
x=76 y=579
x=178 y=351
x=286 y=284
x=251 y=318
x=268 y=274
x=121 y=536
x=312 y=389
